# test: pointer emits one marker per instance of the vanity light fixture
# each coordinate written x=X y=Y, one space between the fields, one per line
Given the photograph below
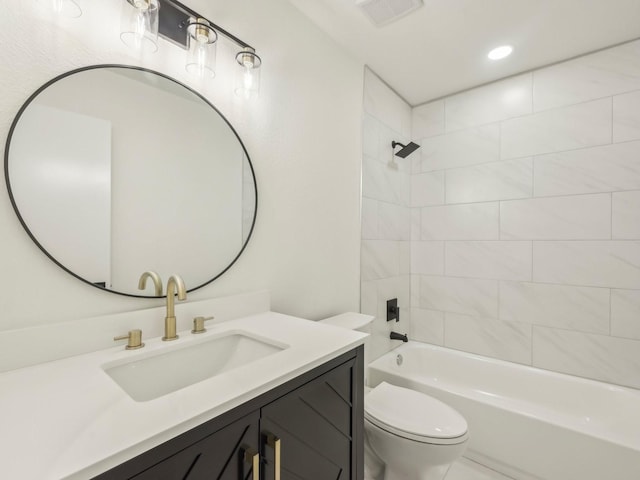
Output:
x=143 y=20
x=201 y=56
x=247 y=83
x=139 y=22
x=62 y=8
x=501 y=52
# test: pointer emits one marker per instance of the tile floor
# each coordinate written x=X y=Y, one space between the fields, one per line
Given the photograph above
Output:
x=465 y=469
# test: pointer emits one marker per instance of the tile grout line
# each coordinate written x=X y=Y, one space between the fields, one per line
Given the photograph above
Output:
x=533 y=176
x=499 y=298
x=444 y=115
x=533 y=92
x=510 y=199
x=533 y=244
x=533 y=112
x=523 y=281
x=610 y=311
x=444 y=182
x=444 y=257
x=529 y=155
x=444 y=328
x=500 y=221
x=612 y=119
x=611 y=216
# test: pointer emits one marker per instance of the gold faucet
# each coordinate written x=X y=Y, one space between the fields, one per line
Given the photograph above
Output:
x=157 y=282
x=175 y=284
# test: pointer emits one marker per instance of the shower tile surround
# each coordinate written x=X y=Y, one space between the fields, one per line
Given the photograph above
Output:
x=520 y=216
x=387 y=222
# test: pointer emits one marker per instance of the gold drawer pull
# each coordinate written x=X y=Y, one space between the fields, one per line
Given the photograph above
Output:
x=252 y=457
x=275 y=443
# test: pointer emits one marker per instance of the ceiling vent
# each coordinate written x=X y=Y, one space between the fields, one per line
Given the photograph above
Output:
x=382 y=12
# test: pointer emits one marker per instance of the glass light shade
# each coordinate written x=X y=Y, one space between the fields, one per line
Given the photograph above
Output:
x=247 y=81
x=139 y=24
x=201 y=57
x=63 y=8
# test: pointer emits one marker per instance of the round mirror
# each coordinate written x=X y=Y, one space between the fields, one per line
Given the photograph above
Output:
x=116 y=170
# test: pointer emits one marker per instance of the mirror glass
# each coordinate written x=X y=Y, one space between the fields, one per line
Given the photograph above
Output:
x=117 y=170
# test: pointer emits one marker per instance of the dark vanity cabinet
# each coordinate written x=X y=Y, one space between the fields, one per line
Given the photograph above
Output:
x=310 y=428
x=225 y=454
x=314 y=422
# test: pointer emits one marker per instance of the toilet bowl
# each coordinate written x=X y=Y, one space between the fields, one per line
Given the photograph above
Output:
x=408 y=434
x=415 y=436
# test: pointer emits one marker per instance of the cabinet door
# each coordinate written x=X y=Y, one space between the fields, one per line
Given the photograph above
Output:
x=316 y=425
x=221 y=455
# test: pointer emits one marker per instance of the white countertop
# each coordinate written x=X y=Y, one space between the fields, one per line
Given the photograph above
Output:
x=68 y=419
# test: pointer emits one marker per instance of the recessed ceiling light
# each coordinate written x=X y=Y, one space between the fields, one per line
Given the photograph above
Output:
x=500 y=52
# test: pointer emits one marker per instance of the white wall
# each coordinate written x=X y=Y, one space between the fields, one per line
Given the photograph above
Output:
x=526 y=208
x=302 y=135
x=386 y=216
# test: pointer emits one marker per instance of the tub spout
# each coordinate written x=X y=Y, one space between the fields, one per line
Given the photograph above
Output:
x=398 y=336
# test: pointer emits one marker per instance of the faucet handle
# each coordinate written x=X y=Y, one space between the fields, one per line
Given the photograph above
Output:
x=198 y=324
x=134 y=338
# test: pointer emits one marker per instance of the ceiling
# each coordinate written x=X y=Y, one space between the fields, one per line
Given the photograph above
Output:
x=442 y=47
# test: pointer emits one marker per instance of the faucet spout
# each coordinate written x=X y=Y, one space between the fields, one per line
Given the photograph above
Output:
x=157 y=282
x=398 y=336
x=175 y=285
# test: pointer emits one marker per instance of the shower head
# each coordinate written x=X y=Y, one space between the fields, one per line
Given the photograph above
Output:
x=406 y=150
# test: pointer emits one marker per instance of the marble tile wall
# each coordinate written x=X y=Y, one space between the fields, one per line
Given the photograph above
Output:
x=524 y=226
x=386 y=211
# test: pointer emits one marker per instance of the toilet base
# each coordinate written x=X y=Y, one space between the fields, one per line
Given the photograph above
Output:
x=405 y=459
x=373 y=466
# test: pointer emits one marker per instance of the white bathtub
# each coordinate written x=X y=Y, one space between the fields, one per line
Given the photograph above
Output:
x=525 y=422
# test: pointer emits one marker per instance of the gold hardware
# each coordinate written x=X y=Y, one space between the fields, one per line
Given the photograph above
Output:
x=134 y=338
x=175 y=284
x=157 y=282
x=248 y=58
x=253 y=457
x=140 y=4
x=203 y=32
x=198 y=324
x=274 y=442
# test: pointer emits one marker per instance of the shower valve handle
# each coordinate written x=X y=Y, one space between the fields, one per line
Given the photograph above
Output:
x=393 y=310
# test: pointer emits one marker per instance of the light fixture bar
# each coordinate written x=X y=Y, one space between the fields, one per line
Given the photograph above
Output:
x=174 y=20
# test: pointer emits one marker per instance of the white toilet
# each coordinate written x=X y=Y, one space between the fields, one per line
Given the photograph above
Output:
x=414 y=436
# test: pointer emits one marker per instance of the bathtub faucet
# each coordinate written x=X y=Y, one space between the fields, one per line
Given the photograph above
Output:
x=398 y=336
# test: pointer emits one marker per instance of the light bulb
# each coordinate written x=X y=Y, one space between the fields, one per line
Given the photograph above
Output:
x=247 y=61
x=247 y=82
x=141 y=4
x=248 y=79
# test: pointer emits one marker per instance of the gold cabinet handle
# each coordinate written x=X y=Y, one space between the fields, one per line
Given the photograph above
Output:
x=252 y=457
x=275 y=443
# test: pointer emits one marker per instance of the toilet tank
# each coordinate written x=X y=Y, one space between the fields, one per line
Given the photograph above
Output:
x=355 y=321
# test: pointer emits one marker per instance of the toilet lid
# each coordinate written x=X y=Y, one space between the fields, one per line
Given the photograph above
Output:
x=414 y=415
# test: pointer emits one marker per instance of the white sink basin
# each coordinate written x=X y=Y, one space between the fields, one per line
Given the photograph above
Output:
x=151 y=376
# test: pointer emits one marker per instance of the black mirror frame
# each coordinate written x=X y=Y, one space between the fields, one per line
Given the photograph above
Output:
x=33 y=96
